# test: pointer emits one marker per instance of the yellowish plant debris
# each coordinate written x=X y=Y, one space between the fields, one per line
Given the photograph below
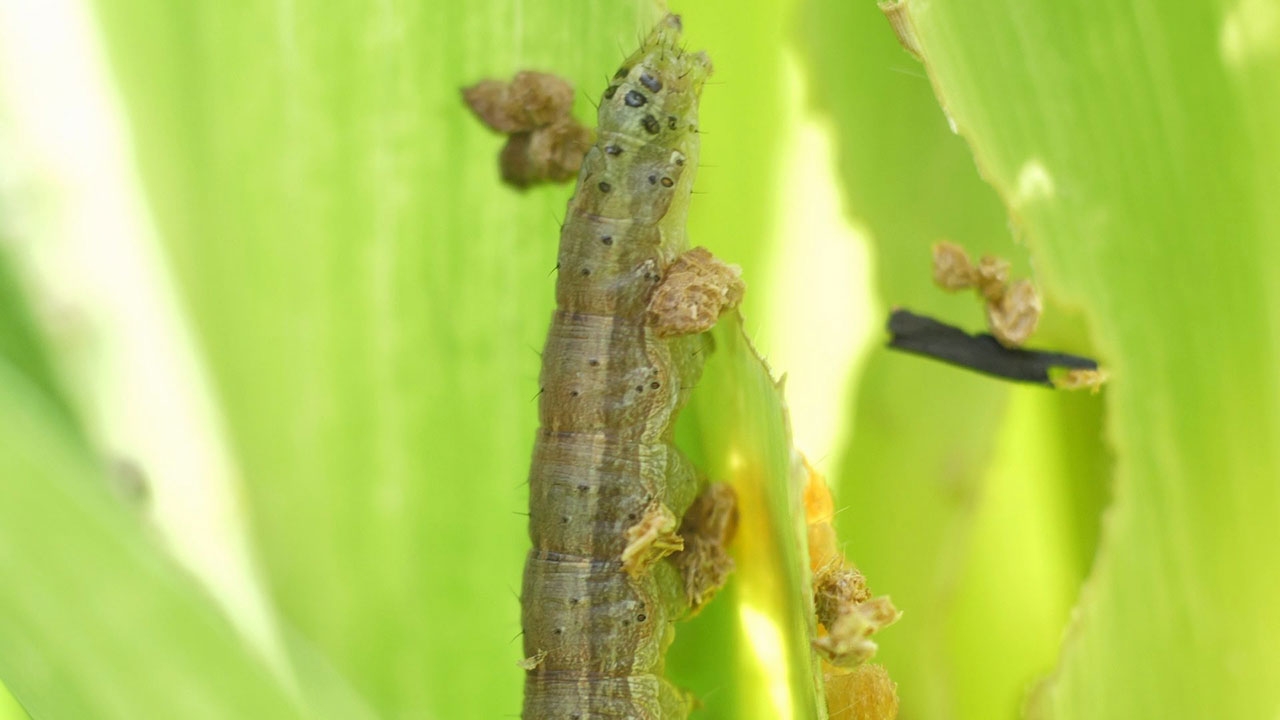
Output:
x=545 y=143
x=1013 y=311
x=900 y=19
x=550 y=154
x=993 y=277
x=533 y=662
x=530 y=101
x=1013 y=318
x=698 y=287
x=1091 y=380
x=952 y=270
x=707 y=529
x=848 y=640
x=835 y=589
x=866 y=693
x=848 y=615
x=652 y=538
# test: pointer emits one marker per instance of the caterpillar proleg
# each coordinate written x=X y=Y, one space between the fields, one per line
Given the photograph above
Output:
x=608 y=489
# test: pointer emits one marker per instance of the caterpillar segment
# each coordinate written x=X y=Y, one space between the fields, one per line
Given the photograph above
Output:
x=608 y=488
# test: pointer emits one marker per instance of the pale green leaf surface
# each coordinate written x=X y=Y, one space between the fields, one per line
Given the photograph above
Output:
x=9 y=707
x=1136 y=145
x=927 y=517
x=913 y=477
x=1029 y=551
x=738 y=429
x=743 y=125
x=20 y=343
x=921 y=433
x=371 y=299
x=95 y=621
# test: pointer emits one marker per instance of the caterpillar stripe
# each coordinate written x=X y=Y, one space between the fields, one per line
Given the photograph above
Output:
x=607 y=486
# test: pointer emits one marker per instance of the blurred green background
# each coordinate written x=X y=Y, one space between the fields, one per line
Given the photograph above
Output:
x=269 y=333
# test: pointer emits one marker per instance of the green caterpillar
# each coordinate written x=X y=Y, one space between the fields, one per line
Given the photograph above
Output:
x=612 y=565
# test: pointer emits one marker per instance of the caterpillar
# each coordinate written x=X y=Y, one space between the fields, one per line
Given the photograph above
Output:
x=627 y=537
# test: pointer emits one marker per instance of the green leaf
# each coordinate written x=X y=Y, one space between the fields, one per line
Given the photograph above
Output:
x=938 y=479
x=1135 y=146
x=20 y=343
x=9 y=707
x=743 y=123
x=97 y=621
x=738 y=432
x=371 y=300
x=1031 y=542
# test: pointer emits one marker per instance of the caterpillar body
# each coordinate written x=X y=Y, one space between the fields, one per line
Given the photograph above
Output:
x=607 y=486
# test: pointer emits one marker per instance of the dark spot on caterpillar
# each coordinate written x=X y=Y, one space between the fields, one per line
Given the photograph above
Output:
x=559 y=631
x=573 y=393
x=593 y=362
x=656 y=277
x=574 y=601
x=651 y=124
x=671 y=122
x=651 y=82
x=622 y=72
x=640 y=388
x=605 y=187
x=631 y=516
x=680 y=161
x=635 y=98
x=641 y=617
x=655 y=384
x=564 y=519
x=607 y=239
x=615 y=150
x=653 y=179
x=586 y=272
x=668 y=182
x=583 y=488
x=610 y=91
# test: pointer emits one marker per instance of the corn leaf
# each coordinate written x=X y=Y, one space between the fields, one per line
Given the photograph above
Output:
x=927 y=517
x=97 y=621
x=371 y=299
x=738 y=432
x=1135 y=147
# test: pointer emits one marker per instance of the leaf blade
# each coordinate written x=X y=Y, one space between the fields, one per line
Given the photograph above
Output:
x=98 y=622
x=1137 y=141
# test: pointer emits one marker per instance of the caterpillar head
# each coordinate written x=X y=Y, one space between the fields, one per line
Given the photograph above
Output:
x=654 y=95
